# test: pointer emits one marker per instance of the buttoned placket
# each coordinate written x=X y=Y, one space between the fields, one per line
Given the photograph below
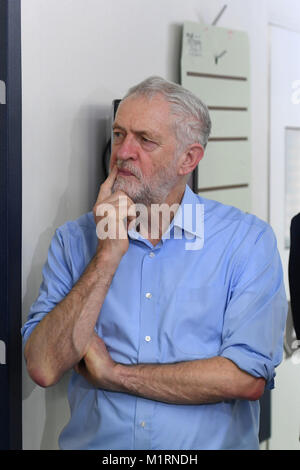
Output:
x=148 y=342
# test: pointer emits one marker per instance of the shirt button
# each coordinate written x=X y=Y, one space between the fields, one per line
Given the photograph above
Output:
x=148 y=295
x=143 y=424
x=147 y=338
x=151 y=254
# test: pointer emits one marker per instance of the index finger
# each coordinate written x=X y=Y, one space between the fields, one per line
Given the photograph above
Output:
x=106 y=186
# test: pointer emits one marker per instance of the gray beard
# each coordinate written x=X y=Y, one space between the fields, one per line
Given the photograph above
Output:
x=147 y=194
x=143 y=195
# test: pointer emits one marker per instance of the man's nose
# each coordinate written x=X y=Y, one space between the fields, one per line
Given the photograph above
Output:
x=128 y=148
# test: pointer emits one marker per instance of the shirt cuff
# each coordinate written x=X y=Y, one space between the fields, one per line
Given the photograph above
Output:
x=252 y=363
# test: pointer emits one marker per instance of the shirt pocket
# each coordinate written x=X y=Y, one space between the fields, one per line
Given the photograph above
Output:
x=197 y=330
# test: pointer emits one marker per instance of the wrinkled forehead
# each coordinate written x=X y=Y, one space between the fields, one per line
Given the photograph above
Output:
x=147 y=112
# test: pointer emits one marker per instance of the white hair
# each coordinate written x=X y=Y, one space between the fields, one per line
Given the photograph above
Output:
x=192 y=122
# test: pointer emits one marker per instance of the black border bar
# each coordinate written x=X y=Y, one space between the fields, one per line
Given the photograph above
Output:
x=11 y=225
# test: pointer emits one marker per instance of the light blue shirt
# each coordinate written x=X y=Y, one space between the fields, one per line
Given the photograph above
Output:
x=173 y=303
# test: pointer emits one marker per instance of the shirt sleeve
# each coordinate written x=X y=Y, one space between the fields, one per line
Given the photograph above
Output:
x=57 y=281
x=255 y=317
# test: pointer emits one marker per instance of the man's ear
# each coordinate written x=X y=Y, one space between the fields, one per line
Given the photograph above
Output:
x=190 y=159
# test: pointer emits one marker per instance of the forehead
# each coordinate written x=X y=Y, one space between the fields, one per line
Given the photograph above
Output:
x=143 y=113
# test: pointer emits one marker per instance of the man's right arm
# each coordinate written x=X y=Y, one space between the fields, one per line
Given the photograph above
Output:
x=62 y=338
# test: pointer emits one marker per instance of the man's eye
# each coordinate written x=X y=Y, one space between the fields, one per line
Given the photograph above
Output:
x=148 y=144
x=117 y=136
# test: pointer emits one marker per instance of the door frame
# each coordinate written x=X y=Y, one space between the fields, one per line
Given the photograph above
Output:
x=10 y=226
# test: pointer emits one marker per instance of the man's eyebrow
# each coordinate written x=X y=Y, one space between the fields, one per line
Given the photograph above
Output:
x=147 y=132
x=117 y=126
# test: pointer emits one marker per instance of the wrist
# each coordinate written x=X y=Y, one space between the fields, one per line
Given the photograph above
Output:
x=113 y=380
x=106 y=258
x=120 y=377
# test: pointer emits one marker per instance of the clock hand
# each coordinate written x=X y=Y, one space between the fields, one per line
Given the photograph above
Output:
x=217 y=57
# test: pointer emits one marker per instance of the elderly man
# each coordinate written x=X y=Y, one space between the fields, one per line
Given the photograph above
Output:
x=172 y=335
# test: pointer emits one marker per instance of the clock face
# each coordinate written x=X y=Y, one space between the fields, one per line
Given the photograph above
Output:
x=211 y=48
x=215 y=65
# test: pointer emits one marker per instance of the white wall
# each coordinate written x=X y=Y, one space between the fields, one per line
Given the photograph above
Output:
x=78 y=55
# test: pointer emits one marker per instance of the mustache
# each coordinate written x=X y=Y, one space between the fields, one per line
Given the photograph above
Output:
x=121 y=165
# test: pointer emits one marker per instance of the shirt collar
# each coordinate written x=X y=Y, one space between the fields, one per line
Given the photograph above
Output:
x=190 y=214
x=188 y=218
